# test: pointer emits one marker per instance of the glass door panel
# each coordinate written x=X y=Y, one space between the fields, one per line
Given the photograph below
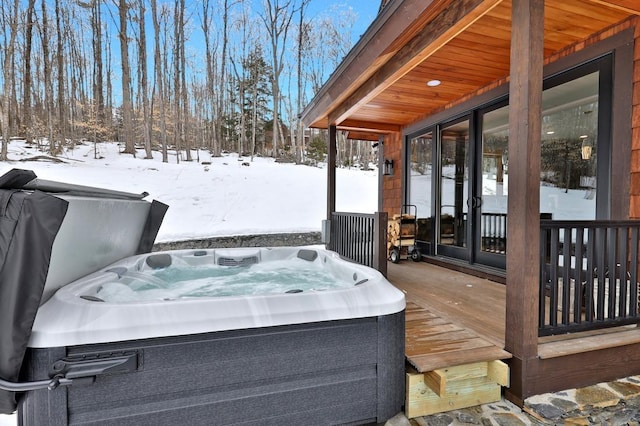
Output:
x=420 y=187
x=494 y=181
x=568 y=166
x=454 y=186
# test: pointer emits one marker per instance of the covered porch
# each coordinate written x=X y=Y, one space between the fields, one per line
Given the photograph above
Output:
x=459 y=319
x=431 y=82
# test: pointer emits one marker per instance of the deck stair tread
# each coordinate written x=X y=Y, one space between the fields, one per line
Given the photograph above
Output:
x=452 y=367
x=433 y=342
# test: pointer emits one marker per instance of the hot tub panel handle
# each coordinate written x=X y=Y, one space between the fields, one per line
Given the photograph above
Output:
x=80 y=369
x=84 y=366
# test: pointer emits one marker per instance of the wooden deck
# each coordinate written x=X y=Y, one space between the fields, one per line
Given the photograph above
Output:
x=452 y=318
x=455 y=328
x=454 y=338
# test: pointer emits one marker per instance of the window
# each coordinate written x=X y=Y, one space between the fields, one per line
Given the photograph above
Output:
x=459 y=169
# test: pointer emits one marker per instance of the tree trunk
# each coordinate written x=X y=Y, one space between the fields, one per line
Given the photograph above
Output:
x=127 y=113
x=186 y=141
x=48 y=89
x=98 y=85
x=7 y=78
x=144 y=90
x=61 y=109
x=223 y=74
x=159 y=81
x=26 y=97
x=299 y=139
x=277 y=19
x=206 y=25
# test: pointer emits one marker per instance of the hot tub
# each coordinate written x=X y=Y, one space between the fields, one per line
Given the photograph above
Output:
x=96 y=330
x=331 y=354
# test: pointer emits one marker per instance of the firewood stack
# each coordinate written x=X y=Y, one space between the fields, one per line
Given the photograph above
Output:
x=401 y=226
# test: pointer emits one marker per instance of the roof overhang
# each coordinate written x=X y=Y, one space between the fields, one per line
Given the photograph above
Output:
x=381 y=86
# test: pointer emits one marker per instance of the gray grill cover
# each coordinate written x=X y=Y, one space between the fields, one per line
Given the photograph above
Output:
x=29 y=222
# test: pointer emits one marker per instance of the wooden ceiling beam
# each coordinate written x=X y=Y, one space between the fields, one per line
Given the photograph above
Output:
x=363 y=136
x=453 y=20
x=368 y=126
x=628 y=6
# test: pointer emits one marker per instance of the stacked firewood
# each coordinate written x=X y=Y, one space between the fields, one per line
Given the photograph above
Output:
x=400 y=226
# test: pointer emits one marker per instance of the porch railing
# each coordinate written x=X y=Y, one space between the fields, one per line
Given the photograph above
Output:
x=588 y=275
x=361 y=238
x=493 y=233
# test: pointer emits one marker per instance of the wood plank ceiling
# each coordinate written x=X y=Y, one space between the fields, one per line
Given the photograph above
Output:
x=474 y=56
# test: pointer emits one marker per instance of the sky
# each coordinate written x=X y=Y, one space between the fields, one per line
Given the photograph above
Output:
x=365 y=10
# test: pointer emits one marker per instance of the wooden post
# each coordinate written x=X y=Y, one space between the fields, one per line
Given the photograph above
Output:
x=380 y=175
x=380 y=242
x=331 y=171
x=523 y=228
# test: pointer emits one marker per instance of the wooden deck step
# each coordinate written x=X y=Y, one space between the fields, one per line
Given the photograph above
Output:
x=433 y=342
x=451 y=367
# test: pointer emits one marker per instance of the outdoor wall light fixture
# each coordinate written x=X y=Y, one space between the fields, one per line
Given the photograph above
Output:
x=586 y=149
x=387 y=167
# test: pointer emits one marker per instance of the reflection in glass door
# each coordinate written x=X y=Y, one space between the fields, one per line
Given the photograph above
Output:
x=454 y=187
x=569 y=151
x=419 y=187
x=493 y=189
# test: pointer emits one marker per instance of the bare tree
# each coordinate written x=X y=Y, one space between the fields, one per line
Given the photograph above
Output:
x=60 y=73
x=277 y=18
x=184 y=101
x=61 y=106
x=212 y=77
x=216 y=69
x=127 y=112
x=98 y=77
x=48 y=89
x=242 y=24
x=178 y=20
x=159 y=87
x=328 y=42
x=302 y=43
x=144 y=90
x=26 y=89
x=7 y=78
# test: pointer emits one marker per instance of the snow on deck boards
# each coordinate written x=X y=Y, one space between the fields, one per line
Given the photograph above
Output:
x=433 y=342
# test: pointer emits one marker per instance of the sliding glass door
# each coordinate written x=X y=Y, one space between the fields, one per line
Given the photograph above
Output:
x=490 y=202
x=459 y=169
x=453 y=178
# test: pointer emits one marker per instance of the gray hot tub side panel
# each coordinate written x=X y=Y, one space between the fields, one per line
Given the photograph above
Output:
x=337 y=372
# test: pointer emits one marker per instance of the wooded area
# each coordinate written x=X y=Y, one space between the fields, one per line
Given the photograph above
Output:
x=169 y=75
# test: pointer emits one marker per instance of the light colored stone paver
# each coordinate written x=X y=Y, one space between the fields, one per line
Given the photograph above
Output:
x=613 y=403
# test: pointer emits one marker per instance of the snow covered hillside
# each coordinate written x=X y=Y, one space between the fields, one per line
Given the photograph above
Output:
x=229 y=196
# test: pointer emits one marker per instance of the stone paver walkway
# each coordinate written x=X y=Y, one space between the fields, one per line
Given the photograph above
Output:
x=613 y=403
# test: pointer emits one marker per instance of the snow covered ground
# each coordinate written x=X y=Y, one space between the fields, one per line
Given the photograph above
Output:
x=219 y=199
x=230 y=196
